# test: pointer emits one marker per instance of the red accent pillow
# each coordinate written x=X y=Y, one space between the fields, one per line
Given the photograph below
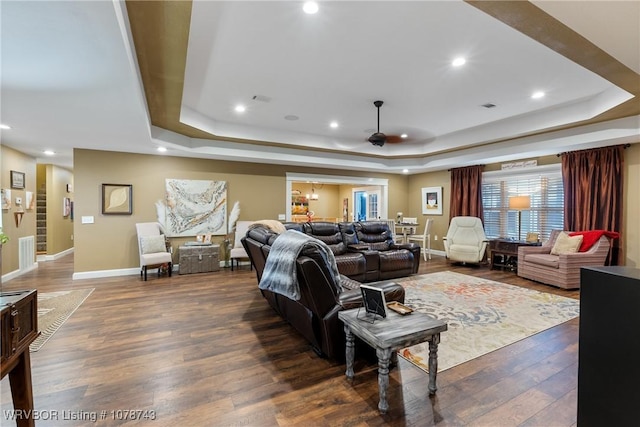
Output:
x=589 y=238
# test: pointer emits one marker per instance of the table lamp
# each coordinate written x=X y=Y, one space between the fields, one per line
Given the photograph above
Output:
x=519 y=203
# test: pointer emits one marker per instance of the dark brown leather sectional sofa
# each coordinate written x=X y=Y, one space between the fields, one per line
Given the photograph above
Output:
x=315 y=314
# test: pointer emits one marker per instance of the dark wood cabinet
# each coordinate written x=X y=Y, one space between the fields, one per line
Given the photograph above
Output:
x=19 y=327
x=609 y=345
x=503 y=253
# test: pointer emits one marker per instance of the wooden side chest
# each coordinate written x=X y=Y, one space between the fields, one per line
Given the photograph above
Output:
x=199 y=259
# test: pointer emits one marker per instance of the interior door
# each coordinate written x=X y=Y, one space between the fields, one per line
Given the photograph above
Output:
x=366 y=203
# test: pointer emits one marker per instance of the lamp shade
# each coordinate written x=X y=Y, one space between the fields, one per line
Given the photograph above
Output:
x=519 y=202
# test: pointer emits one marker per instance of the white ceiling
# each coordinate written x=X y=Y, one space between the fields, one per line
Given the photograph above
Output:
x=70 y=79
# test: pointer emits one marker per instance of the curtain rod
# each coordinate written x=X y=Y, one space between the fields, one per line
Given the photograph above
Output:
x=625 y=146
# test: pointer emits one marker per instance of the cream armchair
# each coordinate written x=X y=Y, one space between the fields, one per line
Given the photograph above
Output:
x=465 y=240
x=238 y=252
x=152 y=248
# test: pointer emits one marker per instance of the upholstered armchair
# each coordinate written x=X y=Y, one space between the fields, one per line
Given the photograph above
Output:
x=237 y=251
x=152 y=248
x=563 y=269
x=465 y=240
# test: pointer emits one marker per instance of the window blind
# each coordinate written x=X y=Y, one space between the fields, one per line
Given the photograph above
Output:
x=542 y=184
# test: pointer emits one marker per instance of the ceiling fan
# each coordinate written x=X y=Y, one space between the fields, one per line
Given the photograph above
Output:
x=380 y=138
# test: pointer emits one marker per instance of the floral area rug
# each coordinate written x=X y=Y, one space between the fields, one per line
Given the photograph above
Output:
x=482 y=315
x=54 y=308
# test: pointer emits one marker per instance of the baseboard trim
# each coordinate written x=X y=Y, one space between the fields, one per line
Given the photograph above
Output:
x=97 y=274
x=54 y=257
x=17 y=273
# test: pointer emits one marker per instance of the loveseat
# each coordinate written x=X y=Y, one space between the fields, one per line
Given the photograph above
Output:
x=562 y=270
x=315 y=314
x=365 y=250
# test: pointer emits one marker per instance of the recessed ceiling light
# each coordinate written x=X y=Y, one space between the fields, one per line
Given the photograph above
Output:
x=49 y=152
x=405 y=170
x=162 y=149
x=333 y=124
x=404 y=135
x=458 y=62
x=240 y=108
x=310 y=7
x=5 y=126
x=537 y=95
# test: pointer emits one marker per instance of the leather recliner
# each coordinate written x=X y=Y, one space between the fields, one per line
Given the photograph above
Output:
x=388 y=258
x=350 y=262
x=315 y=315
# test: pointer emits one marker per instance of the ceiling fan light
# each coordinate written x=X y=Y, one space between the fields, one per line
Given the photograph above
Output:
x=378 y=139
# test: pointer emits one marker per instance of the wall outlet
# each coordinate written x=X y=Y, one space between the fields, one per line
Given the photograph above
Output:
x=282 y=217
x=435 y=237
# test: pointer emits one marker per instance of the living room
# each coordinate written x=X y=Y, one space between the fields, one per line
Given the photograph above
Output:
x=86 y=248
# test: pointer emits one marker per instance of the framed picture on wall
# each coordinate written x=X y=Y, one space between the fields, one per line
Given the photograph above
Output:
x=432 y=201
x=117 y=199
x=17 y=180
x=66 y=207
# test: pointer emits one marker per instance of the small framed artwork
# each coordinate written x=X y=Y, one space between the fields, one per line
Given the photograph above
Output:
x=374 y=301
x=30 y=201
x=117 y=199
x=66 y=207
x=432 y=201
x=17 y=180
x=6 y=198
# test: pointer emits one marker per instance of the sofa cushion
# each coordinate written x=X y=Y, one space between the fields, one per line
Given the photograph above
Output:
x=396 y=260
x=328 y=233
x=543 y=259
x=566 y=244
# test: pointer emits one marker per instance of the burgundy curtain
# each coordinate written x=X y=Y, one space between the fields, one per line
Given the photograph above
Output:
x=466 y=192
x=592 y=182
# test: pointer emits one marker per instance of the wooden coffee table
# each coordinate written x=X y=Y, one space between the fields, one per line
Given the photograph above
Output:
x=390 y=334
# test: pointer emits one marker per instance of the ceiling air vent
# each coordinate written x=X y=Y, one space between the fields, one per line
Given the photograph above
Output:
x=261 y=98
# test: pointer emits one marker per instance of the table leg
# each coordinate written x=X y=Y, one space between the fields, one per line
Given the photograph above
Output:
x=349 y=351
x=433 y=362
x=384 y=356
x=21 y=389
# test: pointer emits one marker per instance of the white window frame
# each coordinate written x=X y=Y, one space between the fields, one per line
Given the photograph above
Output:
x=545 y=213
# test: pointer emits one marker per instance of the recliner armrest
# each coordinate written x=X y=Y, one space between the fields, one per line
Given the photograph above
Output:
x=350 y=299
x=408 y=246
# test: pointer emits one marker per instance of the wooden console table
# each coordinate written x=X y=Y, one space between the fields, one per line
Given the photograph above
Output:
x=390 y=334
x=19 y=325
x=507 y=249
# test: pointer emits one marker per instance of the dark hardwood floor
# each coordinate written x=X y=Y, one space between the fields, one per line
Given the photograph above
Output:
x=207 y=350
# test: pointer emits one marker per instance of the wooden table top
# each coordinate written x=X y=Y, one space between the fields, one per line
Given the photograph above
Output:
x=394 y=331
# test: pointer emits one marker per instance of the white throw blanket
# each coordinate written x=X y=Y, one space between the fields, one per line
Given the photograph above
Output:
x=279 y=273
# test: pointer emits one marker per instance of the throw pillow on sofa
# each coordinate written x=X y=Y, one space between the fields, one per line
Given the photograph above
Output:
x=566 y=244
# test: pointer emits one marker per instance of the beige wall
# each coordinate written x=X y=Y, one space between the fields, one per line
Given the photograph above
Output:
x=17 y=161
x=631 y=200
x=631 y=221
x=59 y=228
x=110 y=242
x=414 y=203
